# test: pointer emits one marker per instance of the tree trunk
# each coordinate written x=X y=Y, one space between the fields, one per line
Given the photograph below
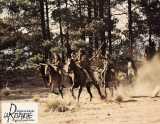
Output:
x=101 y=8
x=130 y=26
x=47 y=20
x=60 y=31
x=67 y=27
x=89 y=3
x=101 y=15
x=79 y=6
x=43 y=27
x=150 y=33
x=95 y=16
x=149 y=23
x=89 y=10
x=95 y=9
x=109 y=27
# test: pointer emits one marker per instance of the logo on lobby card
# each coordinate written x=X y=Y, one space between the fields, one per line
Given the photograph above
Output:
x=19 y=112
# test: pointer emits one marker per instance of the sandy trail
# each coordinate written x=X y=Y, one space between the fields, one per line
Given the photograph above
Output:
x=140 y=111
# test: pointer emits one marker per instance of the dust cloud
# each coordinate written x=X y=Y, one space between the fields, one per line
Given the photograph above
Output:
x=147 y=82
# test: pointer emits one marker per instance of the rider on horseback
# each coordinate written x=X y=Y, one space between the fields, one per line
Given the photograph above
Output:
x=57 y=62
x=85 y=64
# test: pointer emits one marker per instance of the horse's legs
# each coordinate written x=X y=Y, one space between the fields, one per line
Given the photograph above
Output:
x=127 y=75
x=116 y=84
x=111 y=87
x=111 y=91
x=89 y=91
x=72 y=91
x=51 y=87
x=45 y=83
x=61 y=91
x=105 y=91
x=98 y=88
x=102 y=83
x=79 y=92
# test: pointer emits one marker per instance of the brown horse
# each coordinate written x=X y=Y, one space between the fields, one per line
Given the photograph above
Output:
x=108 y=78
x=58 y=80
x=81 y=79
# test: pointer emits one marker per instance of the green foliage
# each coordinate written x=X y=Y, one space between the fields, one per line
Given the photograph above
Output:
x=57 y=50
x=36 y=59
x=18 y=54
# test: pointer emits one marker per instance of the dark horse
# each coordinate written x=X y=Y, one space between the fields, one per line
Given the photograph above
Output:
x=58 y=80
x=108 y=78
x=81 y=79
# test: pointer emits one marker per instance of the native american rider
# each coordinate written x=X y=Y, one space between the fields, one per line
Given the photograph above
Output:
x=85 y=64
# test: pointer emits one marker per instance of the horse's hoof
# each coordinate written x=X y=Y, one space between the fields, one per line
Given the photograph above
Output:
x=103 y=97
x=74 y=97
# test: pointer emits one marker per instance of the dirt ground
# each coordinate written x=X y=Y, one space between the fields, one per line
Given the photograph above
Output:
x=130 y=110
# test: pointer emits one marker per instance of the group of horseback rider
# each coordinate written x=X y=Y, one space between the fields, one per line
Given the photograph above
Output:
x=83 y=59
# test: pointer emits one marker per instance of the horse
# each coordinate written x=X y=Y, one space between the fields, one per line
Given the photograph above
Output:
x=108 y=78
x=111 y=70
x=81 y=79
x=58 y=80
